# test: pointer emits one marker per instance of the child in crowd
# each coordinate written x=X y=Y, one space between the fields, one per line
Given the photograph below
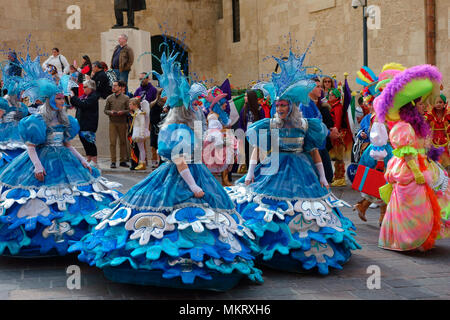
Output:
x=140 y=132
x=439 y=120
x=219 y=148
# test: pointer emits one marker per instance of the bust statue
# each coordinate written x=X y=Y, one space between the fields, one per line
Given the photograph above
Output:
x=130 y=6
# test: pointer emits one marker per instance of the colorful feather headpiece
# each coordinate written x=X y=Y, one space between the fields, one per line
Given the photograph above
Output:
x=368 y=79
x=407 y=86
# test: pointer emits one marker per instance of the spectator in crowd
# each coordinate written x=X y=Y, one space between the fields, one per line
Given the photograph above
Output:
x=250 y=113
x=74 y=73
x=146 y=90
x=51 y=69
x=104 y=66
x=85 y=72
x=101 y=80
x=117 y=110
x=139 y=131
x=318 y=110
x=59 y=61
x=327 y=85
x=87 y=116
x=13 y=68
x=122 y=59
x=156 y=116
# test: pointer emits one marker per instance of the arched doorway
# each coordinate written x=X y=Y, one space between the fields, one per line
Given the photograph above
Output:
x=157 y=51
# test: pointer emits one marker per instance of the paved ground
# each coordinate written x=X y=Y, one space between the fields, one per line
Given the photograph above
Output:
x=403 y=275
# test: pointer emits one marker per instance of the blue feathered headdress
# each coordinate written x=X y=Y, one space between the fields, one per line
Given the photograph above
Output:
x=176 y=86
x=293 y=83
x=38 y=84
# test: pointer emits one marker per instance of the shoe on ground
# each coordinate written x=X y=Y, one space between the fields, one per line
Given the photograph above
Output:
x=141 y=166
x=113 y=165
x=374 y=206
x=124 y=164
x=339 y=183
x=361 y=215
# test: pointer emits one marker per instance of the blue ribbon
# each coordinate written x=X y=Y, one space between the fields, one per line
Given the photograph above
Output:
x=363 y=180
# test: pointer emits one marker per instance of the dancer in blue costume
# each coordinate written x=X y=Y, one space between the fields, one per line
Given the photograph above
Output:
x=48 y=194
x=285 y=200
x=12 y=110
x=178 y=227
x=4 y=157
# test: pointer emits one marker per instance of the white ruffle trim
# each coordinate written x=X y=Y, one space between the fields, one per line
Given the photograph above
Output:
x=60 y=194
x=12 y=145
x=319 y=209
x=153 y=224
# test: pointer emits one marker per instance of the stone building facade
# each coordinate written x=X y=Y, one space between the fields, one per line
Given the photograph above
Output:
x=263 y=28
x=337 y=29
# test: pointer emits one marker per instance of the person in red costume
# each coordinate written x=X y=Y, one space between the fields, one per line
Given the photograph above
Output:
x=439 y=120
x=343 y=144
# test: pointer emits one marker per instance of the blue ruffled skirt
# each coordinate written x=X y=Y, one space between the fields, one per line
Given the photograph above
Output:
x=39 y=218
x=4 y=160
x=297 y=222
x=160 y=234
x=10 y=141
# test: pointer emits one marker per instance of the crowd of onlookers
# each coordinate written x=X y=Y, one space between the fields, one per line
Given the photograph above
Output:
x=134 y=118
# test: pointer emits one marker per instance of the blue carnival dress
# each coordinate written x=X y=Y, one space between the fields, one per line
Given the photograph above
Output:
x=296 y=221
x=4 y=160
x=10 y=141
x=160 y=234
x=38 y=218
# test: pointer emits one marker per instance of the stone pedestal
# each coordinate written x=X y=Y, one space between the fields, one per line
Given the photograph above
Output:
x=138 y=40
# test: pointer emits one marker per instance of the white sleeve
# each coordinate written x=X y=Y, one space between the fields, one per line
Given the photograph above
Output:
x=251 y=170
x=66 y=65
x=77 y=155
x=38 y=168
x=45 y=64
x=187 y=177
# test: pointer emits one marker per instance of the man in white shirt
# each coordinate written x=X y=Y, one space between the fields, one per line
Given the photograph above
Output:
x=59 y=61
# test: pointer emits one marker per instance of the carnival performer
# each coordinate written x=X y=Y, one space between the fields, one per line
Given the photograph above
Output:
x=4 y=158
x=418 y=195
x=216 y=103
x=439 y=120
x=285 y=199
x=178 y=227
x=220 y=148
x=373 y=89
x=343 y=144
x=11 y=112
x=48 y=193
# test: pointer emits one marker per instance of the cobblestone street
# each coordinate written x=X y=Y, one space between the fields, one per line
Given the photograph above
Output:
x=403 y=275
